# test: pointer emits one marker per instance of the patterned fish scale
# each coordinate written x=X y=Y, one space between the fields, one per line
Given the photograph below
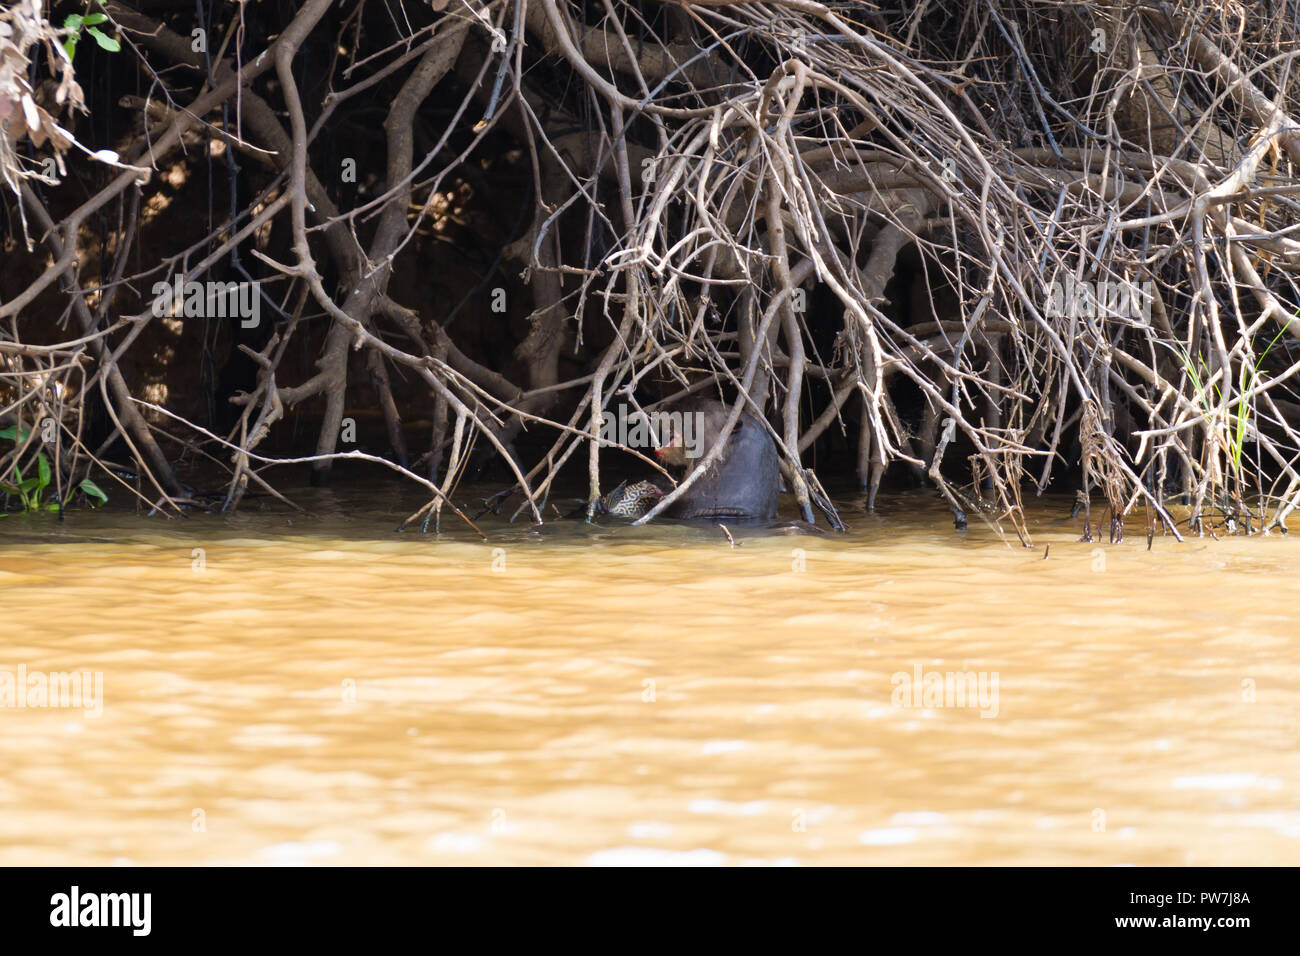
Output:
x=631 y=501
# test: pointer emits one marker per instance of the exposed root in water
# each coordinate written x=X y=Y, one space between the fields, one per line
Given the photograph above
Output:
x=982 y=242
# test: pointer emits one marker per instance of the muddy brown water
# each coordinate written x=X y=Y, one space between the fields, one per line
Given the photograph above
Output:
x=283 y=688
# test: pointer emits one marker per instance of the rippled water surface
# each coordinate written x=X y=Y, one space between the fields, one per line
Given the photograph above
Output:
x=315 y=688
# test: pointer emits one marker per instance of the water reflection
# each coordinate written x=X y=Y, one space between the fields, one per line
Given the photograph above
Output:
x=313 y=688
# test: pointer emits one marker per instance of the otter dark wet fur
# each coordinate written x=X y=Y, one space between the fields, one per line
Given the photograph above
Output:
x=742 y=483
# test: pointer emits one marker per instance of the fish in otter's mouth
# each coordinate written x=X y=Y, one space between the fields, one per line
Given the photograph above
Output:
x=631 y=501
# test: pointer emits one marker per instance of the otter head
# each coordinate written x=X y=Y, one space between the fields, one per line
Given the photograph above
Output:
x=689 y=431
x=673 y=451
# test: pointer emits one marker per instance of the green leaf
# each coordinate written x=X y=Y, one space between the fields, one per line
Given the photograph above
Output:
x=92 y=18
x=73 y=21
x=43 y=470
x=53 y=506
x=70 y=47
x=106 y=42
x=93 y=490
x=11 y=432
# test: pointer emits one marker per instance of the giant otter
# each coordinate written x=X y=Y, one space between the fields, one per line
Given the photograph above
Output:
x=743 y=482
